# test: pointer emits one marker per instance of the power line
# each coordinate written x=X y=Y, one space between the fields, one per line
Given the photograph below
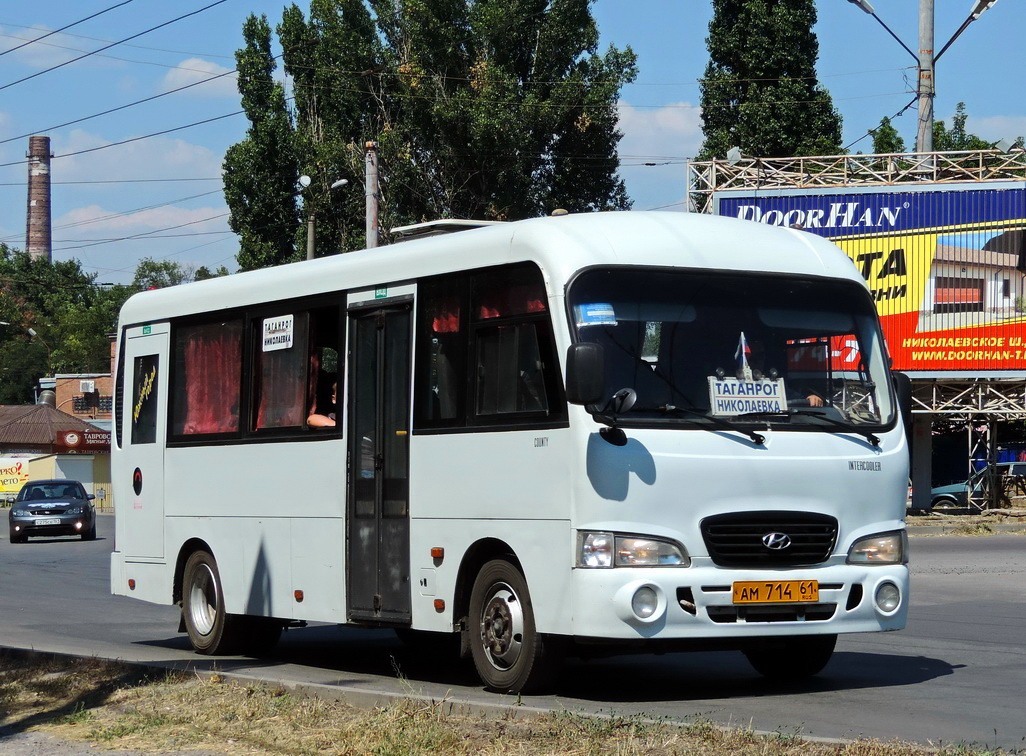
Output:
x=137 y=47
x=126 y=213
x=133 y=139
x=121 y=58
x=146 y=234
x=55 y=31
x=117 y=181
x=112 y=44
x=115 y=110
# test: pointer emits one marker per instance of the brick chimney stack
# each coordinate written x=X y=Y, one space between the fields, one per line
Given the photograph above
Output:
x=37 y=227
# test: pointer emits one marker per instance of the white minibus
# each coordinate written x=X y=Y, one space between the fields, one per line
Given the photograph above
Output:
x=575 y=435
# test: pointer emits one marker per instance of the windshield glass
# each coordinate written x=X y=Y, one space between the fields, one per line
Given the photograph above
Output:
x=749 y=348
x=50 y=492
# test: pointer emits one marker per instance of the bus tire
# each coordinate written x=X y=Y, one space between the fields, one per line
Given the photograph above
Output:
x=510 y=656
x=790 y=659
x=211 y=629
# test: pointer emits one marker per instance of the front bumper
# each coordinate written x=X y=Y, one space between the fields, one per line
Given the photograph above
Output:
x=696 y=602
x=68 y=525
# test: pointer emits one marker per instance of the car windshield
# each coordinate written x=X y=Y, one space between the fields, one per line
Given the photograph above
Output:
x=51 y=492
x=700 y=347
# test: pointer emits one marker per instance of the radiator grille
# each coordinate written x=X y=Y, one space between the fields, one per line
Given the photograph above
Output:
x=740 y=539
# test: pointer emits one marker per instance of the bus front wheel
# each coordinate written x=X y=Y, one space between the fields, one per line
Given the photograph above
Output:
x=509 y=654
x=211 y=629
x=792 y=658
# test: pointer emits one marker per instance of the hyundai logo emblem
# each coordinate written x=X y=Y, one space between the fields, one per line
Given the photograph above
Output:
x=776 y=541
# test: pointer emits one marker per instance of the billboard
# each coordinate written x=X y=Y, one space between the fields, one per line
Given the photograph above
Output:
x=945 y=263
x=14 y=472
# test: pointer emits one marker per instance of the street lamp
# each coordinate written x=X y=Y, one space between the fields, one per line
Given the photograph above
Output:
x=926 y=60
x=304 y=182
x=33 y=334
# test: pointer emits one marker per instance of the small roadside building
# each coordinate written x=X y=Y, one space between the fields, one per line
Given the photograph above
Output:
x=38 y=441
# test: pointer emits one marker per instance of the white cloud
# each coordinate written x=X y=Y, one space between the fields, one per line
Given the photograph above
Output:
x=52 y=51
x=155 y=157
x=194 y=70
x=97 y=221
x=672 y=131
x=664 y=137
x=997 y=127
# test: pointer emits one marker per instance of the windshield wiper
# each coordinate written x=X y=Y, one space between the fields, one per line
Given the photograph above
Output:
x=718 y=422
x=818 y=415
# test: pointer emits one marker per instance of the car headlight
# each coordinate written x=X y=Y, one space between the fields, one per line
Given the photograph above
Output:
x=883 y=548
x=612 y=550
x=74 y=510
x=20 y=512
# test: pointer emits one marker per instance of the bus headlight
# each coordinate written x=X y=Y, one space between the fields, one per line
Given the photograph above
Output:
x=612 y=550
x=883 y=548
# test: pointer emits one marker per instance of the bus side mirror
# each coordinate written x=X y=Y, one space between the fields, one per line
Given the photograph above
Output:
x=903 y=391
x=585 y=380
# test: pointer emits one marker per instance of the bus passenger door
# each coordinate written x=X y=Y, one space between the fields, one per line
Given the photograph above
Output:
x=140 y=472
x=378 y=514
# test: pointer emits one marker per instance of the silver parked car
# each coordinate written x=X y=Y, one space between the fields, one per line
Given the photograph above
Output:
x=52 y=508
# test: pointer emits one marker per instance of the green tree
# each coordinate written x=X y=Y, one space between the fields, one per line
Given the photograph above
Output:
x=886 y=139
x=957 y=138
x=203 y=273
x=158 y=274
x=330 y=58
x=70 y=318
x=760 y=92
x=481 y=109
x=260 y=172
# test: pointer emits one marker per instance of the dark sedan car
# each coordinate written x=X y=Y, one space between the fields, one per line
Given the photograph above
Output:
x=52 y=508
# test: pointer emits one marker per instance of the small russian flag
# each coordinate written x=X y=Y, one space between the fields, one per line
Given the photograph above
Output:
x=741 y=355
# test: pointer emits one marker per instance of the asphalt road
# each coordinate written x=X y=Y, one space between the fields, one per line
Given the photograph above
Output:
x=957 y=674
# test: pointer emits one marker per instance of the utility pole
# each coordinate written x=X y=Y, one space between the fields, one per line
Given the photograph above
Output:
x=371 y=189
x=927 y=86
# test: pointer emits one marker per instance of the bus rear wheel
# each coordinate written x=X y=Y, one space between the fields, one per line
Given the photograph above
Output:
x=211 y=629
x=793 y=658
x=509 y=654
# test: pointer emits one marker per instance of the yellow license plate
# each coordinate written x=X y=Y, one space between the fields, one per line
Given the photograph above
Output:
x=776 y=591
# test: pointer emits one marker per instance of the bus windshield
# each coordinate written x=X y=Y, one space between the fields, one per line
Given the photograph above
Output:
x=745 y=347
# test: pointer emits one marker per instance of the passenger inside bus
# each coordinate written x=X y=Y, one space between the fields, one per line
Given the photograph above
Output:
x=324 y=411
x=803 y=395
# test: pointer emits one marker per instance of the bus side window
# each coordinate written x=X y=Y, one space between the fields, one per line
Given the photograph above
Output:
x=508 y=306
x=280 y=359
x=207 y=378
x=295 y=359
x=509 y=370
x=442 y=340
x=144 y=399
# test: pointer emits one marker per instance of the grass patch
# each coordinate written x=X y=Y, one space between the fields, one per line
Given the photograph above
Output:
x=116 y=706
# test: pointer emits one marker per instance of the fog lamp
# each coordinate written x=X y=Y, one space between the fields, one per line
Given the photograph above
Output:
x=888 y=597
x=645 y=602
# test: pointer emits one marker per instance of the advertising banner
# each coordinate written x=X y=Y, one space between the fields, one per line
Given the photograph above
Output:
x=14 y=471
x=946 y=265
x=86 y=442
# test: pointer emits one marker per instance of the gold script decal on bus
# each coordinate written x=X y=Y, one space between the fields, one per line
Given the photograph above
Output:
x=144 y=393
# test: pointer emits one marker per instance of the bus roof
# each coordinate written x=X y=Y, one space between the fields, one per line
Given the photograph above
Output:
x=560 y=245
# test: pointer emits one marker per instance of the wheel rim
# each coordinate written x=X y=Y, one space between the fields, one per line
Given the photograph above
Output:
x=502 y=627
x=203 y=600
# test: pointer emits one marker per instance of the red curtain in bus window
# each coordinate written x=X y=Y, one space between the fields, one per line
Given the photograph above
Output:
x=211 y=361
x=282 y=374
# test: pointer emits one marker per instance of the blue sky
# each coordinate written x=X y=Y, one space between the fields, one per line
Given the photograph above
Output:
x=167 y=188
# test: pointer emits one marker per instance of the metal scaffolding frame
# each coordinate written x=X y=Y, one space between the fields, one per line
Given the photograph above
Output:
x=977 y=401
x=1003 y=399
x=704 y=178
